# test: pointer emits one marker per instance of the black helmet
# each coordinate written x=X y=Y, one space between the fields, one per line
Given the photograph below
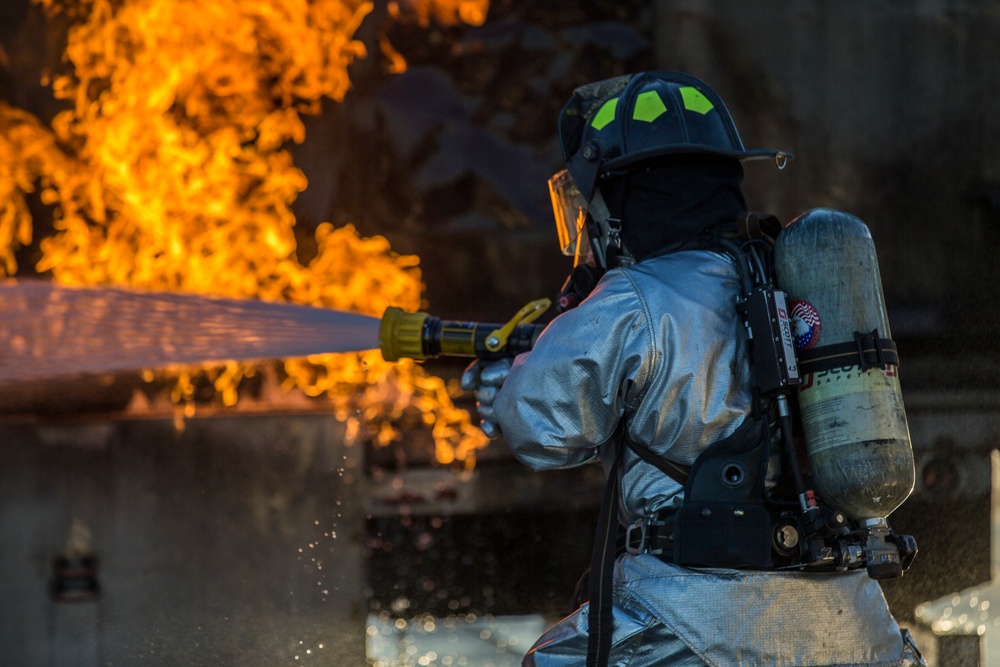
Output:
x=614 y=124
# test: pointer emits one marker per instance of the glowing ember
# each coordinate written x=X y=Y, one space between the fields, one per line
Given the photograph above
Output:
x=170 y=172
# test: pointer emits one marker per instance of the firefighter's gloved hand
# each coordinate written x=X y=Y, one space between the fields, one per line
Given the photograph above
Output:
x=485 y=378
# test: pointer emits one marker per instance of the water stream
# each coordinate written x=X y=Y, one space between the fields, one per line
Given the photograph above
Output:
x=49 y=331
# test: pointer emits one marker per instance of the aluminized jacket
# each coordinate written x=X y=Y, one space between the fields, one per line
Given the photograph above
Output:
x=660 y=345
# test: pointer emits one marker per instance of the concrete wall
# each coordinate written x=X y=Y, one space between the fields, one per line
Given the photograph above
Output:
x=237 y=541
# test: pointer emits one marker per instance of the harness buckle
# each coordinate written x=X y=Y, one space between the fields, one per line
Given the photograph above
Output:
x=643 y=547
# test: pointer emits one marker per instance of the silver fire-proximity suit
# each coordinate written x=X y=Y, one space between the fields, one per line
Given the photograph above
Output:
x=660 y=345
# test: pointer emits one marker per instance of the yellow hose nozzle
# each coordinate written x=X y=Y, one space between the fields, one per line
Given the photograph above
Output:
x=422 y=336
x=400 y=334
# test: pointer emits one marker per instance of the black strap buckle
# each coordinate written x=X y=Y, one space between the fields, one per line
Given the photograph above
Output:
x=867 y=343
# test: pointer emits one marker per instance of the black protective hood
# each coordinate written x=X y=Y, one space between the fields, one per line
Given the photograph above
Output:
x=676 y=202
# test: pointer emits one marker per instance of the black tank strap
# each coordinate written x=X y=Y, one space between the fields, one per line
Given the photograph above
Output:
x=867 y=351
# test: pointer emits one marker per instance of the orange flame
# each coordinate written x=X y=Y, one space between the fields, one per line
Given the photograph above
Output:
x=445 y=12
x=170 y=172
x=28 y=156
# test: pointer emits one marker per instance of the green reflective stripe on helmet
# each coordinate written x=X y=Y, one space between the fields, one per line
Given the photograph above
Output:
x=648 y=106
x=605 y=115
x=695 y=101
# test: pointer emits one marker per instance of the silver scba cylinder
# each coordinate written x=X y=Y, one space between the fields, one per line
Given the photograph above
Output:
x=852 y=414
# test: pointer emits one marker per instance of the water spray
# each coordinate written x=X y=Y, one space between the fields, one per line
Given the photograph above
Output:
x=109 y=330
x=422 y=336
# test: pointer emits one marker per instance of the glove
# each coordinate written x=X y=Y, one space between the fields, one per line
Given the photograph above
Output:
x=485 y=379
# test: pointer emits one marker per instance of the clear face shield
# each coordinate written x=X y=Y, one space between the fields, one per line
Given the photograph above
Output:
x=570 y=210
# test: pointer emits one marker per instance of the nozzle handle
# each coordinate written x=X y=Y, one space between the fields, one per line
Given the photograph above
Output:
x=529 y=313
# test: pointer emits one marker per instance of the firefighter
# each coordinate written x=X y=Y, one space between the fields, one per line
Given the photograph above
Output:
x=648 y=363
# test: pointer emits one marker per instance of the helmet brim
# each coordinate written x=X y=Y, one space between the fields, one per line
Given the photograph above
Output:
x=632 y=159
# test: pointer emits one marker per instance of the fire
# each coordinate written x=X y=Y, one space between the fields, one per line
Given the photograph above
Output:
x=28 y=156
x=170 y=171
x=446 y=12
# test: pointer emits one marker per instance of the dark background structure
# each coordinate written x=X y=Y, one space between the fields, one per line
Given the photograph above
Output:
x=892 y=112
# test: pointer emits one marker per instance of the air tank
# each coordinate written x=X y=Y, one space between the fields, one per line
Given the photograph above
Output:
x=853 y=420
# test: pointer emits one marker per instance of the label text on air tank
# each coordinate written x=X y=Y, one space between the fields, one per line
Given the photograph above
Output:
x=785 y=331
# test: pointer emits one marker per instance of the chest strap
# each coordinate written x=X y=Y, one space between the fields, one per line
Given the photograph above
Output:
x=675 y=471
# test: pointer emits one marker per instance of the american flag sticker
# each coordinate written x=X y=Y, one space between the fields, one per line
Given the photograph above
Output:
x=806 y=325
